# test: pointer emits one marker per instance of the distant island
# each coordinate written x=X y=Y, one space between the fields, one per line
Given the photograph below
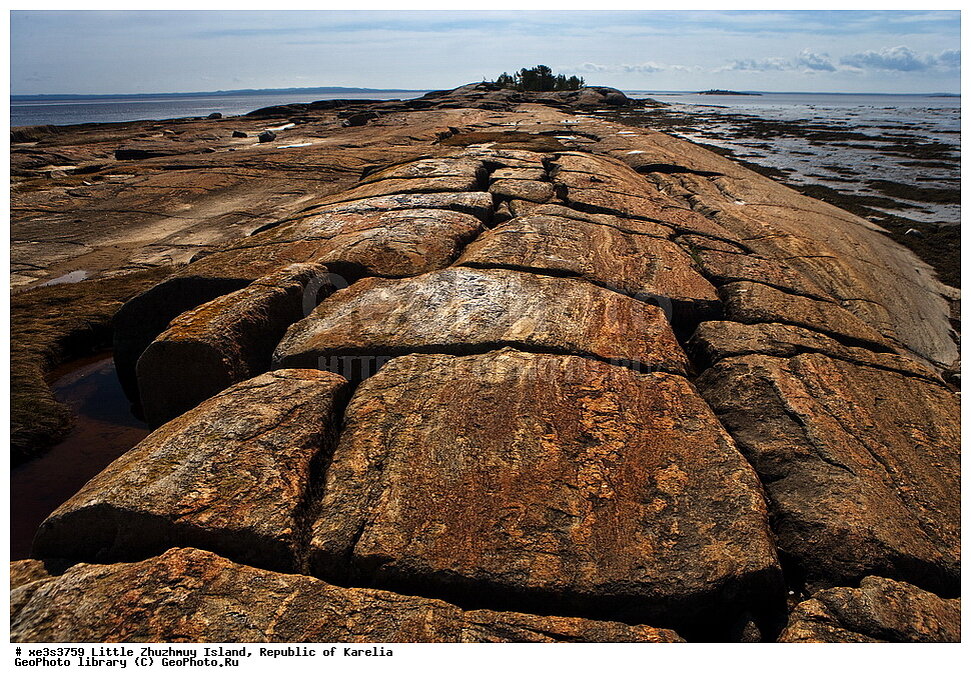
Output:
x=728 y=92
x=540 y=78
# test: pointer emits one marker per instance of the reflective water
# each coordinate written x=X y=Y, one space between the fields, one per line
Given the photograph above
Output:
x=105 y=429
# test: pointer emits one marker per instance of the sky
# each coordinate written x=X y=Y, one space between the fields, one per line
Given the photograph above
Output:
x=101 y=52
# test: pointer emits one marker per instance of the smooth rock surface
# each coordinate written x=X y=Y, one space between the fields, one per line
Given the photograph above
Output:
x=467 y=310
x=224 y=341
x=880 y=610
x=860 y=480
x=546 y=480
x=230 y=475
x=189 y=595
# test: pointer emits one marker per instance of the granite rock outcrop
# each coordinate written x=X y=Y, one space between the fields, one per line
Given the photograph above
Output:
x=474 y=371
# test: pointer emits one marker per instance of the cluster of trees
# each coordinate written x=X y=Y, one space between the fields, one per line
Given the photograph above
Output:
x=539 y=78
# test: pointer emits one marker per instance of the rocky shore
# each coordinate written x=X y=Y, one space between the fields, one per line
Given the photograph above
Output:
x=478 y=367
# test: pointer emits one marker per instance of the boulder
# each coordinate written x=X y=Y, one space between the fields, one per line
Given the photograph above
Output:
x=239 y=134
x=557 y=482
x=224 y=341
x=861 y=480
x=267 y=136
x=880 y=610
x=189 y=595
x=639 y=266
x=215 y=115
x=231 y=475
x=467 y=310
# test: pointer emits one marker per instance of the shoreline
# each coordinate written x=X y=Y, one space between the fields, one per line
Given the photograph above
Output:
x=879 y=200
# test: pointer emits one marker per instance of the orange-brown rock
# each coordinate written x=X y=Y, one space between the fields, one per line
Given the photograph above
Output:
x=722 y=267
x=459 y=166
x=752 y=302
x=467 y=310
x=189 y=595
x=478 y=204
x=231 y=475
x=224 y=341
x=553 y=481
x=880 y=610
x=714 y=340
x=394 y=186
x=528 y=190
x=523 y=208
x=636 y=265
x=860 y=479
x=377 y=243
x=351 y=244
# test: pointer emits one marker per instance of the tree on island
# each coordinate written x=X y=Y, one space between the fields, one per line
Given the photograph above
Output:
x=538 y=79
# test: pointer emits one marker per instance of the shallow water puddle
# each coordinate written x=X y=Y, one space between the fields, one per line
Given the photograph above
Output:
x=104 y=429
x=73 y=276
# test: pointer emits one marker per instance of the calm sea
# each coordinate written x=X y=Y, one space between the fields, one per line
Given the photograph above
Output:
x=881 y=146
x=70 y=111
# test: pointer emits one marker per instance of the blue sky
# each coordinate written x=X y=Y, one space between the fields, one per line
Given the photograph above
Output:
x=131 y=52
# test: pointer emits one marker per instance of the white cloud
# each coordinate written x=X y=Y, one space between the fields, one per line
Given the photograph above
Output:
x=643 y=68
x=769 y=64
x=902 y=58
x=814 y=62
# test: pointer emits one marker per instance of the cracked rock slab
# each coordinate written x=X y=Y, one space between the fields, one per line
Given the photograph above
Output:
x=880 y=610
x=229 y=475
x=861 y=465
x=467 y=310
x=224 y=341
x=544 y=480
x=378 y=243
x=478 y=204
x=522 y=208
x=753 y=302
x=394 y=186
x=636 y=265
x=715 y=340
x=189 y=595
x=352 y=245
x=535 y=191
x=722 y=267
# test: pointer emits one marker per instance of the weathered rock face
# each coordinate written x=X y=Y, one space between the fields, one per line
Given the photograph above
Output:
x=466 y=310
x=860 y=481
x=715 y=340
x=639 y=266
x=551 y=480
x=189 y=595
x=880 y=610
x=230 y=475
x=224 y=341
x=751 y=302
x=530 y=437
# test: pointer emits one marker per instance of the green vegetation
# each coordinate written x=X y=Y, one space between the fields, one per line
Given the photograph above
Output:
x=538 y=79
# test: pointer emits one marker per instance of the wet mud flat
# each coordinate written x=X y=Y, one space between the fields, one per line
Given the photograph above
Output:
x=898 y=167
